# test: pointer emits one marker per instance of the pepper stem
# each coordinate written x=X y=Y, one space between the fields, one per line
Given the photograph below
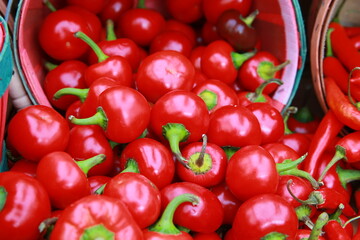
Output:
x=289 y=164
x=340 y=153
x=239 y=58
x=97 y=232
x=267 y=70
x=347 y=175
x=49 y=5
x=141 y=4
x=98 y=51
x=319 y=224
x=3 y=197
x=81 y=93
x=290 y=110
x=131 y=166
x=274 y=236
x=302 y=174
x=165 y=224
x=303 y=212
x=100 y=190
x=210 y=98
x=87 y=164
x=329 y=50
x=258 y=95
x=315 y=198
x=200 y=162
x=230 y=151
x=176 y=133
x=99 y=118
x=250 y=18
x=110 y=33
x=50 y=66
x=338 y=212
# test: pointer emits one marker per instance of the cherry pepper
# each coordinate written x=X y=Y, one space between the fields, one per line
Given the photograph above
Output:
x=263 y=66
x=123 y=114
x=164 y=228
x=114 y=67
x=96 y=216
x=237 y=30
x=24 y=204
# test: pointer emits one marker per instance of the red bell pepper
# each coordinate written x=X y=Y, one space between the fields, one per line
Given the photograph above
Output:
x=96 y=216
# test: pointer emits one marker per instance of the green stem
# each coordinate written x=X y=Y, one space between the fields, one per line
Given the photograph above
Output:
x=338 y=212
x=347 y=175
x=274 y=236
x=350 y=221
x=230 y=151
x=303 y=213
x=302 y=174
x=210 y=98
x=258 y=96
x=250 y=18
x=319 y=224
x=290 y=110
x=100 y=190
x=340 y=153
x=110 y=33
x=165 y=224
x=315 y=198
x=99 y=118
x=98 y=51
x=50 y=66
x=3 y=196
x=141 y=4
x=289 y=164
x=131 y=166
x=97 y=232
x=329 y=50
x=176 y=133
x=49 y=5
x=267 y=70
x=87 y=164
x=81 y=93
x=239 y=58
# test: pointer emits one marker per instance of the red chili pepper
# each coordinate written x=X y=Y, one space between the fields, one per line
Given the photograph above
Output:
x=123 y=114
x=237 y=30
x=206 y=164
x=139 y=194
x=88 y=141
x=262 y=67
x=216 y=94
x=50 y=134
x=352 y=31
x=270 y=215
x=154 y=160
x=328 y=129
x=343 y=47
x=24 y=204
x=65 y=188
x=114 y=67
x=112 y=220
x=334 y=231
x=164 y=228
x=303 y=121
x=206 y=216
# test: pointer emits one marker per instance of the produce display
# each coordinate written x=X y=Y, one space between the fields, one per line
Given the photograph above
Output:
x=163 y=124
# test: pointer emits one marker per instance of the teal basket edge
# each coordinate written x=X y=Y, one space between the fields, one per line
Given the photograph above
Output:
x=6 y=60
x=3 y=163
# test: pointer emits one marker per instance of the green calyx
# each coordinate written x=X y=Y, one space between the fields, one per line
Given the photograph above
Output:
x=99 y=118
x=250 y=18
x=200 y=162
x=274 y=236
x=97 y=232
x=304 y=115
x=87 y=164
x=176 y=133
x=81 y=93
x=3 y=197
x=97 y=50
x=110 y=33
x=266 y=70
x=165 y=224
x=258 y=95
x=230 y=151
x=239 y=58
x=131 y=166
x=303 y=214
x=290 y=110
x=347 y=175
x=210 y=98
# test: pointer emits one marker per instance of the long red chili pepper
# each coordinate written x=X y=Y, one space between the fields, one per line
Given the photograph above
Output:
x=334 y=231
x=326 y=132
x=343 y=47
x=345 y=111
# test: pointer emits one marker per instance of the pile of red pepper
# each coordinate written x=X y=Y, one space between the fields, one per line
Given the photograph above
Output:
x=163 y=127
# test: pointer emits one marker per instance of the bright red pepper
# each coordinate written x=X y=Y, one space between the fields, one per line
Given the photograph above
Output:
x=186 y=29
x=96 y=216
x=206 y=216
x=356 y=41
x=24 y=204
x=187 y=11
x=334 y=231
x=153 y=159
x=97 y=182
x=114 y=8
x=68 y=178
x=297 y=141
x=303 y=121
x=25 y=166
x=139 y=194
x=281 y=152
x=264 y=215
x=36 y=131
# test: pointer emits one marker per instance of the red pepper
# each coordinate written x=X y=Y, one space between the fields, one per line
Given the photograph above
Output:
x=24 y=204
x=334 y=231
x=187 y=11
x=96 y=216
x=356 y=41
x=343 y=47
x=164 y=228
x=316 y=231
x=341 y=106
x=352 y=31
x=25 y=166
x=328 y=129
x=303 y=121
